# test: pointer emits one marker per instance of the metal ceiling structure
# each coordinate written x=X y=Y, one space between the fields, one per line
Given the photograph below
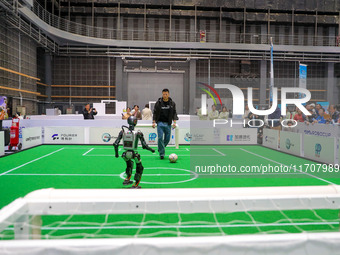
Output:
x=50 y=34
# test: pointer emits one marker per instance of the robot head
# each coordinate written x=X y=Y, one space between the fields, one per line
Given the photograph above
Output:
x=132 y=121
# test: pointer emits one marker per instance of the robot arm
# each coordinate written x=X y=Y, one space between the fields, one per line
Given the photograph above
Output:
x=142 y=140
x=116 y=143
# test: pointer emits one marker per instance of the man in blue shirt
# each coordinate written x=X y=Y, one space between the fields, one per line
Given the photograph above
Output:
x=320 y=118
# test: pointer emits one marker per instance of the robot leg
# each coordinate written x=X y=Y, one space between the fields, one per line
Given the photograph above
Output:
x=139 y=171
x=128 y=170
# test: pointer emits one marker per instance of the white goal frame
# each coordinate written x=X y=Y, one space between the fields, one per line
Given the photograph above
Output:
x=129 y=201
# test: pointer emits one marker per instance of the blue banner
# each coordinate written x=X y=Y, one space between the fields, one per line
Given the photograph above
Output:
x=302 y=77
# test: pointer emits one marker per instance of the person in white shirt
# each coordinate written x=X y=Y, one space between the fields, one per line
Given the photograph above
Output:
x=290 y=113
x=146 y=113
x=224 y=114
x=246 y=115
x=214 y=113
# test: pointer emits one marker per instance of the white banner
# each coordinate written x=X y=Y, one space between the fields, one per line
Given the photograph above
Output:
x=2 y=143
x=151 y=135
x=31 y=137
x=109 y=135
x=270 y=138
x=323 y=130
x=218 y=136
x=185 y=136
x=204 y=136
x=64 y=135
x=321 y=149
x=238 y=136
x=103 y=135
x=291 y=142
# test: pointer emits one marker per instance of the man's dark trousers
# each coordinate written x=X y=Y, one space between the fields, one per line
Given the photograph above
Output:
x=164 y=133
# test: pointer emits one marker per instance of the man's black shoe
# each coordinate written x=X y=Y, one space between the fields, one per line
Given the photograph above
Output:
x=162 y=157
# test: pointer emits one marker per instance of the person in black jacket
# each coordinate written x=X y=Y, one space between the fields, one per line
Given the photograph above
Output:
x=164 y=114
x=89 y=113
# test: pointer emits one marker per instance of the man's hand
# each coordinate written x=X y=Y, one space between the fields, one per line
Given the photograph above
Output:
x=174 y=125
x=90 y=110
x=153 y=124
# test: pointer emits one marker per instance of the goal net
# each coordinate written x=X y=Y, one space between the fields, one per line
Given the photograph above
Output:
x=273 y=220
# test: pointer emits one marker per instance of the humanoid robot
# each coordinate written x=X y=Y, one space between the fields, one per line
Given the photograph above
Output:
x=130 y=144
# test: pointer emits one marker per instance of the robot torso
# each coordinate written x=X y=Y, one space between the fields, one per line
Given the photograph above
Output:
x=130 y=140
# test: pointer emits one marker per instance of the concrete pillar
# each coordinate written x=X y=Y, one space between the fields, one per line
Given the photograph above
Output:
x=264 y=35
x=233 y=35
x=282 y=35
x=301 y=35
x=263 y=81
x=119 y=79
x=332 y=89
x=186 y=88
x=48 y=74
x=332 y=35
x=192 y=86
x=192 y=30
x=130 y=35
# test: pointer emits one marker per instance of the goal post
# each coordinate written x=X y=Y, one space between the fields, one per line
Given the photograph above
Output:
x=24 y=214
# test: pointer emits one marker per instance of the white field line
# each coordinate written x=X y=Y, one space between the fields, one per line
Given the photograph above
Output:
x=15 y=168
x=88 y=151
x=287 y=166
x=159 y=174
x=218 y=151
x=37 y=174
x=156 y=155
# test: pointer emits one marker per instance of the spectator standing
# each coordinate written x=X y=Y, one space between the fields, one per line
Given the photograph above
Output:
x=89 y=112
x=146 y=113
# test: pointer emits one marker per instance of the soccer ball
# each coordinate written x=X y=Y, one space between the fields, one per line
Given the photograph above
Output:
x=173 y=158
